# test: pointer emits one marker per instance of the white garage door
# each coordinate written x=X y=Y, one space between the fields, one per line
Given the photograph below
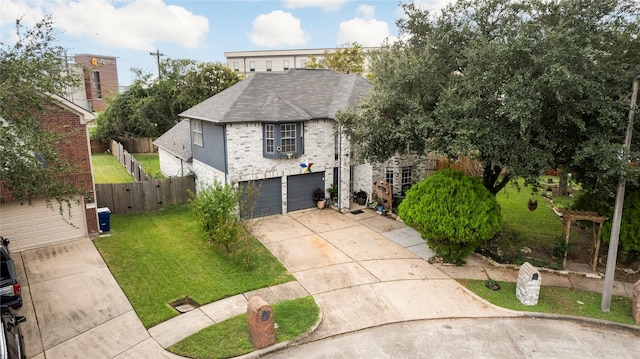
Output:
x=37 y=225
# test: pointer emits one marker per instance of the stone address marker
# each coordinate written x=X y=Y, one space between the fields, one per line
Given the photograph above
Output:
x=260 y=323
x=528 y=286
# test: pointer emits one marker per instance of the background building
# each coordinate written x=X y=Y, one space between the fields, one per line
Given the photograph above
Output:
x=276 y=60
x=100 y=75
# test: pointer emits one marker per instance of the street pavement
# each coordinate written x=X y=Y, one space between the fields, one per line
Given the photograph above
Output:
x=378 y=296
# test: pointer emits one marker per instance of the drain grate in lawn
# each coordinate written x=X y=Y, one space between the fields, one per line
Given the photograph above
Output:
x=184 y=305
x=357 y=211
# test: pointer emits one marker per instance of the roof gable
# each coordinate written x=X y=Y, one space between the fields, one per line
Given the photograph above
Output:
x=294 y=95
x=177 y=140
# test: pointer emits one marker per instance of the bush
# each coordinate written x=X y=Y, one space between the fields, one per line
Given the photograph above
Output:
x=629 y=239
x=453 y=212
x=216 y=206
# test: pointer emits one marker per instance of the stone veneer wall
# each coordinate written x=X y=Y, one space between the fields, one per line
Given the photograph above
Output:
x=172 y=166
x=246 y=161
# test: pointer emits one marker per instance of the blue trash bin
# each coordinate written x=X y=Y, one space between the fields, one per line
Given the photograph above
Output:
x=104 y=219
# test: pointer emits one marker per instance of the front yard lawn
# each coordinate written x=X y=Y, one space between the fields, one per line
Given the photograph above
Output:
x=107 y=169
x=556 y=300
x=163 y=256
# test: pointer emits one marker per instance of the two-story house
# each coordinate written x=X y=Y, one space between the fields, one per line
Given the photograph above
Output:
x=279 y=128
x=37 y=224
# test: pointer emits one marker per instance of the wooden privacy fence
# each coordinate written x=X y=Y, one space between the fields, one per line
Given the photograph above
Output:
x=147 y=196
x=130 y=163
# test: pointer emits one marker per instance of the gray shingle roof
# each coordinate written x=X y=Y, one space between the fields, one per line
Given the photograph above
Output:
x=294 y=95
x=177 y=140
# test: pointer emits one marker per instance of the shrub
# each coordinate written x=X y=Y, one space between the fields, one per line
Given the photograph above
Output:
x=629 y=239
x=453 y=212
x=216 y=206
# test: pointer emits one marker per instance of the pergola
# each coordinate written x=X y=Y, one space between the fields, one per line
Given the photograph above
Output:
x=572 y=216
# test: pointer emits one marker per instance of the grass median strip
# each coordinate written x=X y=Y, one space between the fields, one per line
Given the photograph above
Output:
x=556 y=300
x=163 y=256
x=230 y=338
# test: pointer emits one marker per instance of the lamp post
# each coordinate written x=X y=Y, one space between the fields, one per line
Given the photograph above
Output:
x=157 y=54
x=605 y=304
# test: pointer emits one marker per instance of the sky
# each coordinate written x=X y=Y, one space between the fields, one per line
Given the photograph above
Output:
x=204 y=30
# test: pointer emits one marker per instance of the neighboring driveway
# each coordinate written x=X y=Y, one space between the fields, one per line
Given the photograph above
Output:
x=75 y=308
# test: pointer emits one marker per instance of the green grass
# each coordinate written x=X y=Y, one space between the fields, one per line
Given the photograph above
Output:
x=163 y=256
x=556 y=300
x=230 y=338
x=542 y=224
x=150 y=162
x=107 y=169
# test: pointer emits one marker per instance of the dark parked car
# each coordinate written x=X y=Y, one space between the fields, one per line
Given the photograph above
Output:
x=9 y=285
x=11 y=341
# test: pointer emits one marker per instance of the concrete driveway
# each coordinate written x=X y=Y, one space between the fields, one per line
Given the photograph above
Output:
x=366 y=270
x=75 y=308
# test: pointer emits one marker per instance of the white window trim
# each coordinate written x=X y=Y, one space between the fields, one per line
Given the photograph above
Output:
x=196 y=129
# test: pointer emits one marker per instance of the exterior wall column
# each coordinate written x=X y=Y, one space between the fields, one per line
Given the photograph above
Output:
x=344 y=172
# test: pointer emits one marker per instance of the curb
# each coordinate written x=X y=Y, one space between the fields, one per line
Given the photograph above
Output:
x=593 y=321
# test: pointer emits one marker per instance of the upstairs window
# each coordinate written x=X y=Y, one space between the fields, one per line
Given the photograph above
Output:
x=303 y=64
x=97 y=90
x=196 y=129
x=252 y=65
x=285 y=64
x=282 y=140
x=236 y=66
x=269 y=67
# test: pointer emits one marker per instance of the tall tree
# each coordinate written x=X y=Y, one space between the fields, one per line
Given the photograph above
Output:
x=149 y=107
x=348 y=59
x=30 y=69
x=520 y=85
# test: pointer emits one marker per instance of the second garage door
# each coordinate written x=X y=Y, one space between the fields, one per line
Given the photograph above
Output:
x=270 y=199
x=300 y=189
x=31 y=226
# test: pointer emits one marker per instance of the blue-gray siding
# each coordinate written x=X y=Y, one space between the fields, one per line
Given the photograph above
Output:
x=213 y=150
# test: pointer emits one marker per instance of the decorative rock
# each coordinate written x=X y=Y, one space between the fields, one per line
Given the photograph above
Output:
x=635 y=308
x=260 y=323
x=528 y=285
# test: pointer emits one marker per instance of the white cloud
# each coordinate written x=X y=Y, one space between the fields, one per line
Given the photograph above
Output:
x=432 y=4
x=277 y=28
x=367 y=31
x=366 y=11
x=129 y=24
x=328 y=5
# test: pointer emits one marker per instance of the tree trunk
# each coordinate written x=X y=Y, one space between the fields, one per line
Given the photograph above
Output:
x=563 y=187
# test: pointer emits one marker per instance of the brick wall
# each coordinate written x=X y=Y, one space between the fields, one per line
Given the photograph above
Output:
x=74 y=147
x=108 y=69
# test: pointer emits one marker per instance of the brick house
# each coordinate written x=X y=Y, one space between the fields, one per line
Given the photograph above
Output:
x=268 y=127
x=30 y=226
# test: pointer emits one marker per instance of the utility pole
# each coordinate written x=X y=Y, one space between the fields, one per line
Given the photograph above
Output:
x=605 y=304
x=157 y=54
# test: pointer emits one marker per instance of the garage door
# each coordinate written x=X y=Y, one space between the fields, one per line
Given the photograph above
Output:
x=37 y=225
x=270 y=198
x=300 y=189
